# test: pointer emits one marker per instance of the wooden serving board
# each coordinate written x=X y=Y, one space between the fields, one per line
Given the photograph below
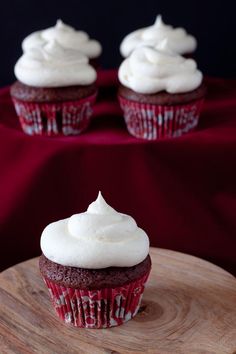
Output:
x=189 y=306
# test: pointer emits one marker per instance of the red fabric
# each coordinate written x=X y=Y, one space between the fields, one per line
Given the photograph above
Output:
x=182 y=191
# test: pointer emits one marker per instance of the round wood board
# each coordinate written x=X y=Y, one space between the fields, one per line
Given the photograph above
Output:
x=189 y=306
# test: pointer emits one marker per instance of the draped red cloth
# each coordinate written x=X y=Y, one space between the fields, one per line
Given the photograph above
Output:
x=182 y=191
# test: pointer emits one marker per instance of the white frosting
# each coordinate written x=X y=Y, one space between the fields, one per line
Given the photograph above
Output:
x=67 y=37
x=54 y=66
x=178 y=39
x=98 y=238
x=151 y=70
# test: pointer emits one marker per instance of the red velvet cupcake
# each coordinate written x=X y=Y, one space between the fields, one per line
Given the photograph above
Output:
x=55 y=91
x=95 y=265
x=161 y=93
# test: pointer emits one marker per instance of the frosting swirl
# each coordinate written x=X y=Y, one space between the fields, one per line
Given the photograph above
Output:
x=101 y=237
x=179 y=40
x=151 y=70
x=67 y=37
x=54 y=66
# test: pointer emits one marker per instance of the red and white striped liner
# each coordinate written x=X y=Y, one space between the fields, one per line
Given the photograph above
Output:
x=149 y=121
x=101 y=308
x=54 y=118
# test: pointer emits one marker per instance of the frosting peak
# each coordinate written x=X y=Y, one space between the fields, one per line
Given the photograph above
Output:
x=101 y=237
x=179 y=40
x=62 y=26
x=158 y=22
x=100 y=206
x=67 y=37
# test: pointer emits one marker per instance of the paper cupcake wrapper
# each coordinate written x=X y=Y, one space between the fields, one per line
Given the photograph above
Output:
x=101 y=308
x=56 y=118
x=149 y=121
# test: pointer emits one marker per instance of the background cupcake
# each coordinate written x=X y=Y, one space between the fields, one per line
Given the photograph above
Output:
x=68 y=38
x=95 y=265
x=161 y=93
x=55 y=90
x=179 y=40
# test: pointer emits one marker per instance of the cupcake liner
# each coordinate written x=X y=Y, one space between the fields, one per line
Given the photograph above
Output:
x=103 y=308
x=150 y=121
x=54 y=118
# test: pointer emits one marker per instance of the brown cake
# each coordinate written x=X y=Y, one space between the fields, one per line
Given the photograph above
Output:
x=53 y=94
x=163 y=98
x=89 y=279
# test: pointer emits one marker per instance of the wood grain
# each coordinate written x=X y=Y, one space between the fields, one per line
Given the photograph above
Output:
x=189 y=307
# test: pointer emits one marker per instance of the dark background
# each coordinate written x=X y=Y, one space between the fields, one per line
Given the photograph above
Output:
x=212 y=22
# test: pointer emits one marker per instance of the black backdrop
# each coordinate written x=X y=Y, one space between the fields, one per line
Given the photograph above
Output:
x=212 y=22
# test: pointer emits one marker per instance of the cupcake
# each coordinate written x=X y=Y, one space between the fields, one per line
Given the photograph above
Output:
x=54 y=91
x=95 y=265
x=68 y=38
x=179 y=41
x=161 y=93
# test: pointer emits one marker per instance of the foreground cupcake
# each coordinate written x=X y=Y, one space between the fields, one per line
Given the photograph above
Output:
x=161 y=93
x=55 y=90
x=179 y=40
x=68 y=38
x=95 y=265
